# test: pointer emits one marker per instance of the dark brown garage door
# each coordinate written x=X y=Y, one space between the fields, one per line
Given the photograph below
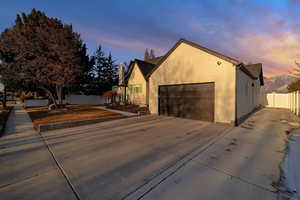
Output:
x=192 y=101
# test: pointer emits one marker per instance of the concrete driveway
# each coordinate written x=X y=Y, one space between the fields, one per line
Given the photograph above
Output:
x=148 y=157
x=243 y=164
x=109 y=160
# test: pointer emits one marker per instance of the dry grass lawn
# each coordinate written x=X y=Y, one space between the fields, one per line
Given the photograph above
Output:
x=41 y=115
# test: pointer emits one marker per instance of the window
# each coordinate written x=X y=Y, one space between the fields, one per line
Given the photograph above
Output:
x=135 y=89
x=138 y=89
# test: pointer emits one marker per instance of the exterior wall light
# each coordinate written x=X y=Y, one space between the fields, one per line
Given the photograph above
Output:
x=219 y=63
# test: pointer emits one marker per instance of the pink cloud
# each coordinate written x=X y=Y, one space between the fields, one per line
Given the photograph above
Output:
x=117 y=41
x=277 y=52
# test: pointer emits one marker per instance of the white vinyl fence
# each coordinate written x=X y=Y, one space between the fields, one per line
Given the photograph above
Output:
x=35 y=102
x=289 y=101
x=70 y=99
x=85 y=99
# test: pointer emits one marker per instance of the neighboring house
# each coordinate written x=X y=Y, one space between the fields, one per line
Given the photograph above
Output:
x=194 y=82
x=137 y=91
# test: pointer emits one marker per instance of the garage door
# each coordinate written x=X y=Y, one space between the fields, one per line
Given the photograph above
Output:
x=192 y=101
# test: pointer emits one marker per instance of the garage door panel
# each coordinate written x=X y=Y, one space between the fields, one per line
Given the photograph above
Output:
x=193 y=101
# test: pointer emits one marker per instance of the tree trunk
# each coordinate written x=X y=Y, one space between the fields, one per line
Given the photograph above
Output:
x=4 y=98
x=59 y=95
x=50 y=95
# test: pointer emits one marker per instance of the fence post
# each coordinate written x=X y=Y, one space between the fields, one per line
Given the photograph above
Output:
x=294 y=102
x=297 y=103
x=273 y=100
x=289 y=100
x=291 y=104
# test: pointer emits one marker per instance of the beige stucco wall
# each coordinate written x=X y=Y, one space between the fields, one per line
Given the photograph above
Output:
x=137 y=78
x=188 y=64
x=248 y=96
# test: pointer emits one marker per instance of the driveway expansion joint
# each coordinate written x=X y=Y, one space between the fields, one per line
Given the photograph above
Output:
x=23 y=179
x=185 y=160
x=60 y=167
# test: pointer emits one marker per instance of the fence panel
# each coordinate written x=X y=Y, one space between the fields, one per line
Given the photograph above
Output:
x=276 y=100
x=35 y=102
x=289 y=101
x=70 y=99
x=85 y=99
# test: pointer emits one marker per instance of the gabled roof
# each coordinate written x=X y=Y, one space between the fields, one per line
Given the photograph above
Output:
x=219 y=55
x=256 y=71
x=145 y=68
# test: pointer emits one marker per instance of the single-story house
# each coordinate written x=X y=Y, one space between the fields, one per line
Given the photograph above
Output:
x=137 y=82
x=194 y=82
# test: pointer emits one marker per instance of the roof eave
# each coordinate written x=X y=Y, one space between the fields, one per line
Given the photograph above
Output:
x=242 y=67
x=214 y=53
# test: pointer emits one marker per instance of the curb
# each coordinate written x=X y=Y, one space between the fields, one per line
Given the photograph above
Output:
x=70 y=124
x=125 y=113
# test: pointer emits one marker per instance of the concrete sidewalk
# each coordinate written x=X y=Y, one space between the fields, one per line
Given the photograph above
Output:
x=27 y=170
x=244 y=164
x=18 y=122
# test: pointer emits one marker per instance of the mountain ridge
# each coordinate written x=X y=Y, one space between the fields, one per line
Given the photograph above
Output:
x=278 y=83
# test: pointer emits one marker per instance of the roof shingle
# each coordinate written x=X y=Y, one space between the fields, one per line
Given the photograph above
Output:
x=145 y=67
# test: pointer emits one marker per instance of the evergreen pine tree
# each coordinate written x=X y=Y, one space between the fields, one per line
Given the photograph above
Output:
x=106 y=71
x=113 y=71
x=152 y=54
x=146 y=55
x=18 y=20
x=99 y=68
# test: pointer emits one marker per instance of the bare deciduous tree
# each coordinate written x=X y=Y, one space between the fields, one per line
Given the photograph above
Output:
x=43 y=51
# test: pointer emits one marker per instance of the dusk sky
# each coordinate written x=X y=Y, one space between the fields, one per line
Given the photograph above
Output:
x=250 y=31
